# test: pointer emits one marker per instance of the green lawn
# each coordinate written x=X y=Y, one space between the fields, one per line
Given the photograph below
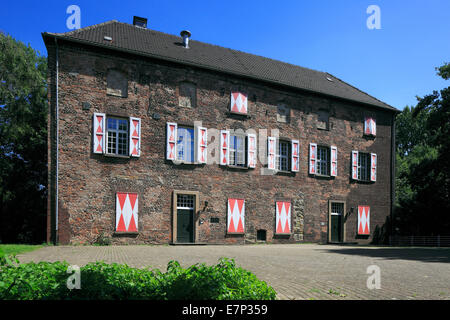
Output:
x=8 y=249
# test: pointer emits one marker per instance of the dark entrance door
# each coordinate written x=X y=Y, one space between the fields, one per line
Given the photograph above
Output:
x=336 y=228
x=336 y=221
x=185 y=225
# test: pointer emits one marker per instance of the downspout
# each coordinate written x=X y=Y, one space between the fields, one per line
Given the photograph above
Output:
x=57 y=146
x=393 y=159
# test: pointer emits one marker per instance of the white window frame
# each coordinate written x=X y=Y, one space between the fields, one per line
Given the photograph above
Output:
x=233 y=151
x=279 y=156
x=117 y=132
x=186 y=150
x=367 y=166
x=320 y=161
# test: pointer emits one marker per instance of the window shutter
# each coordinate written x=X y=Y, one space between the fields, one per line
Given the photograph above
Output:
x=135 y=137
x=333 y=161
x=236 y=216
x=98 y=133
x=201 y=144
x=295 y=154
x=312 y=158
x=171 y=145
x=271 y=152
x=364 y=220
x=373 y=167
x=126 y=212
x=355 y=165
x=238 y=102
x=224 y=147
x=283 y=217
x=370 y=127
x=251 y=150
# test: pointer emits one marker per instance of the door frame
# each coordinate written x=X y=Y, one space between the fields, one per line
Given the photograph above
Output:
x=342 y=220
x=196 y=194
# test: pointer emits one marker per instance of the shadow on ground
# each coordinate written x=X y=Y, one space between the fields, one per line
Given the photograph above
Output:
x=392 y=253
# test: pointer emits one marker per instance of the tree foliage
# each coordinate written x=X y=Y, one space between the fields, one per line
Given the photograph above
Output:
x=423 y=164
x=23 y=142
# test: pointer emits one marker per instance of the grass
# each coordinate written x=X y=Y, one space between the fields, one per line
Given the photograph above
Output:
x=11 y=249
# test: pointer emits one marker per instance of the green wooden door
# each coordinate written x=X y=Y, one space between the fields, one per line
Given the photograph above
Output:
x=336 y=228
x=185 y=225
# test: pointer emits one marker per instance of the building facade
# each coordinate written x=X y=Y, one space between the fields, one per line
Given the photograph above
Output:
x=153 y=139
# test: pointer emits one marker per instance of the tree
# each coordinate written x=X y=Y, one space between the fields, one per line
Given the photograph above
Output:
x=23 y=142
x=423 y=164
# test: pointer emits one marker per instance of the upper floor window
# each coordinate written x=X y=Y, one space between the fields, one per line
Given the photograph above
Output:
x=323 y=160
x=323 y=164
x=187 y=95
x=237 y=150
x=116 y=83
x=185 y=144
x=364 y=166
x=282 y=159
x=370 y=126
x=239 y=102
x=323 y=120
x=117 y=136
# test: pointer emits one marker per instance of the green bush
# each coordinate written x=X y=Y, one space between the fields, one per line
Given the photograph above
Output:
x=45 y=280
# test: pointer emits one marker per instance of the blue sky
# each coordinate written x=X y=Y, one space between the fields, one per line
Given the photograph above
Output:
x=394 y=63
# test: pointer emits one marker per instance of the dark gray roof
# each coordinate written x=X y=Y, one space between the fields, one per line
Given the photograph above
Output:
x=146 y=42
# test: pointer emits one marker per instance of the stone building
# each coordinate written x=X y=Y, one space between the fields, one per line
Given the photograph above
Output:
x=156 y=138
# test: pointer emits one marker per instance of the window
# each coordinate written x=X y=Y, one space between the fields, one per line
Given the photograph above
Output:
x=370 y=126
x=116 y=84
x=282 y=159
x=185 y=201
x=117 y=136
x=185 y=144
x=187 y=95
x=237 y=150
x=363 y=166
x=323 y=160
x=322 y=120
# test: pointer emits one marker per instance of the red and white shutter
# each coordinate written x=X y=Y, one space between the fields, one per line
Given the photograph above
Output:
x=98 y=134
x=363 y=220
x=373 y=167
x=373 y=127
x=224 y=147
x=355 y=165
x=202 y=144
x=333 y=161
x=135 y=137
x=370 y=127
x=238 y=102
x=251 y=150
x=312 y=158
x=126 y=212
x=271 y=152
x=236 y=216
x=283 y=217
x=171 y=142
x=295 y=154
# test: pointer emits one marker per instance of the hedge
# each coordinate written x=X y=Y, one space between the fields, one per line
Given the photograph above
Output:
x=102 y=281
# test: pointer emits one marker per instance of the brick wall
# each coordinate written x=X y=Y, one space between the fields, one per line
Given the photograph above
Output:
x=88 y=182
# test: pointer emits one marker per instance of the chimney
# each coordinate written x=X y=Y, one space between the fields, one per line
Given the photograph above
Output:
x=186 y=35
x=140 y=22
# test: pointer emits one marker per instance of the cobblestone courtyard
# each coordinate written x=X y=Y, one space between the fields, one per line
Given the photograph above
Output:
x=297 y=271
